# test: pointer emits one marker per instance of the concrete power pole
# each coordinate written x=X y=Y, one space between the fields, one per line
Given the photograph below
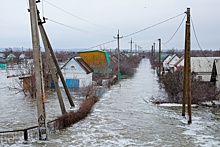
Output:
x=40 y=95
x=131 y=44
x=118 y=52
x=187 y=70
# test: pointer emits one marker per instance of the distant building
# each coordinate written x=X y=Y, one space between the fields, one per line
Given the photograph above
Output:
x=77 y=73
x=2 y=61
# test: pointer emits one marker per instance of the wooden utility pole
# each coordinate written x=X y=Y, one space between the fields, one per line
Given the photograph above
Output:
x=189 y=65
x=51 y=65
x=131 y=45
x=159 y=57
x=40 y=95
x=48 y=46
x=187 y=70
x=118 y=52
x=154 y=54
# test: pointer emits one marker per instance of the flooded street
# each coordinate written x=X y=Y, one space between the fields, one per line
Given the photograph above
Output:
x=124 y=116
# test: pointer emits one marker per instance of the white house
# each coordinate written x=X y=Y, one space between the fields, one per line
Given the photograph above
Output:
x=171 y=62
x=165 y=61
x=77 y=73
x=201 y=67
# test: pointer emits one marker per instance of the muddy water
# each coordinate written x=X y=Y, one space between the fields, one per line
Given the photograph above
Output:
x=124 y=116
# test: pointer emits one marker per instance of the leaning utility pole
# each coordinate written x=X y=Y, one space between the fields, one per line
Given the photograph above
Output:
x=118 y=52
x=49 y=47
x=159 y=56
x=131 y=44
x=187 y=70
x=51 y=65
x=40 y=95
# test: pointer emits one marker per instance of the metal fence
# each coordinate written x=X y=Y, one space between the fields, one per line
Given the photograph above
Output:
x=27 y=134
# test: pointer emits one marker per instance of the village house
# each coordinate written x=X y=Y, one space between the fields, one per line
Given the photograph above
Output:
x=171 y=62
x=98 y=60
x=201 y=67
x=77 y=73
x=166 y=60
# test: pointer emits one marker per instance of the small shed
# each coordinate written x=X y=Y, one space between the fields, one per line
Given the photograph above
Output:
x=77 y=73
x=98 y=60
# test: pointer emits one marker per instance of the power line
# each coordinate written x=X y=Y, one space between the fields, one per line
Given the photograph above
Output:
x=198 y=41
x=153 y=25
x=103 y=44
x=74 y=28
x=74 y=15
x=176 y=30
x=195 y=34
x=141 y=30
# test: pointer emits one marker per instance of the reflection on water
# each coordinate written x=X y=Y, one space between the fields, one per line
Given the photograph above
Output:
x=123 y=117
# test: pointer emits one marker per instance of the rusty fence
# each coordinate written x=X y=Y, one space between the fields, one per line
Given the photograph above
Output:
x=27 y=134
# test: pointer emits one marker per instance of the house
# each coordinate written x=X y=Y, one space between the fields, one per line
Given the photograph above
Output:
x=179 y=65
x=171 y=62
x=77 y=73
x=165 y=61
x=201 y=67
x=98 y=60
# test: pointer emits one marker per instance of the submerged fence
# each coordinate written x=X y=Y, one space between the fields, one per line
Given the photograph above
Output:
x=64 y=121
x=27 y=134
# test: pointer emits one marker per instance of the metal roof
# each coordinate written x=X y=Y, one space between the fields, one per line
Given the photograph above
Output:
x=202 y=64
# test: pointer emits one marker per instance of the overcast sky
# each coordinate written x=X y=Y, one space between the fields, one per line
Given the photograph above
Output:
x=93 y=22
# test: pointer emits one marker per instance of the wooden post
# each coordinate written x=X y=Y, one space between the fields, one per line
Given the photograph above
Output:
x=40 y=95
x=154 y=54
x=59 y=70
x=159 y=57
x=51 y=66
x=118 y=53
x=188 y=65
x=131 y=45
x=187 y=71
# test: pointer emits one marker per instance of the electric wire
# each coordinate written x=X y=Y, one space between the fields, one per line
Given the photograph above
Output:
x=74 y=28
x=153 y=25
x=142 y=29
x=198 y=41
x=176 y=31
x=102 y=44
x=74 y=15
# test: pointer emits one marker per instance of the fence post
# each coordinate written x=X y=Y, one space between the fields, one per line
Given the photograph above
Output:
x=26 y=135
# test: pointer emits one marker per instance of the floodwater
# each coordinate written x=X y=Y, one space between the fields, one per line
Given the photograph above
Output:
x=124 y=117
